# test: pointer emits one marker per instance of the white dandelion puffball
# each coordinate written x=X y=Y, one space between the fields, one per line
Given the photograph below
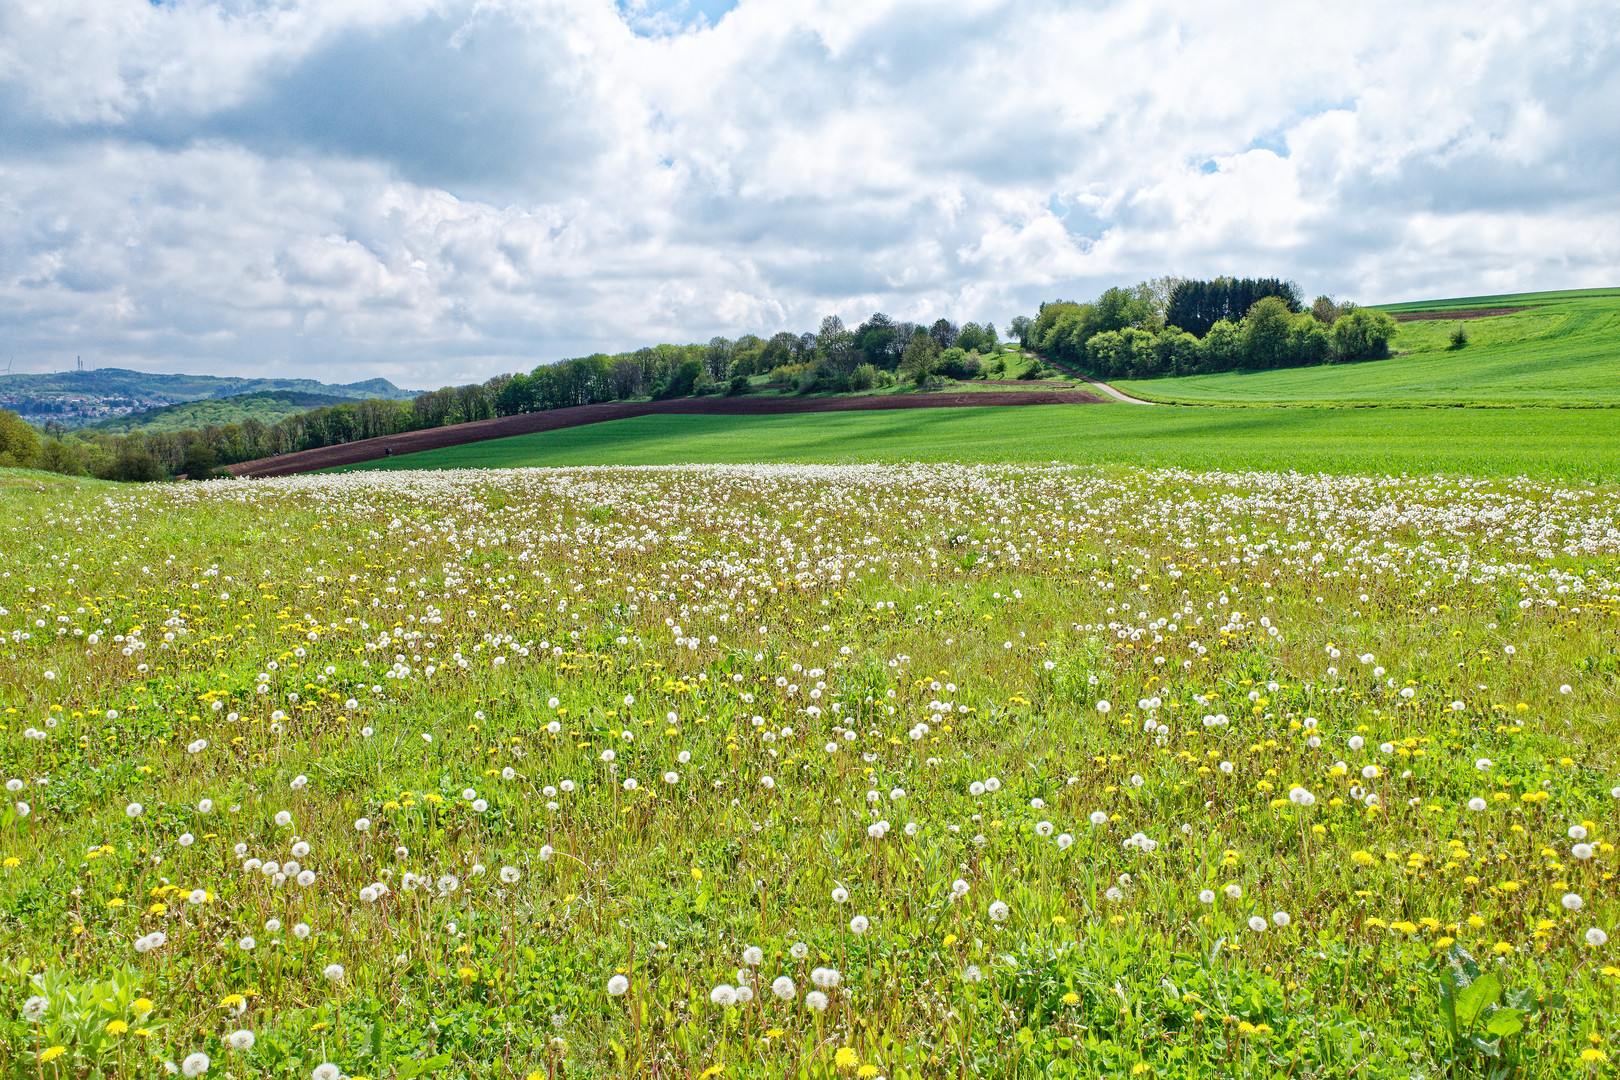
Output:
x=133 y=810
x=840 y=894
x=860 y=924
x=1572 y=902
x=825 y=978
x=723 y=995
x=326 y=1071
x=1257 y=923
x=301 y=931
x=1476 y=804
x=1098 y=817
x=999 y=911
x=1282 y=918
x=1207 y=896
x=333 y=972
x=1581 y=851
x=1103 y=706
x=195 y=1064
x=283 y=818
x=240 y=1040
x=35 y=1008
x=815 y=1001
x=753 y=956
x=1596 y=938
x=783 y=988
x=618 y=986
x=799 y=950
x=509 y=874
x=1233 y=891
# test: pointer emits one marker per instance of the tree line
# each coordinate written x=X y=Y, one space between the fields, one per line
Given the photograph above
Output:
x=834 y=358
x=1180 y=327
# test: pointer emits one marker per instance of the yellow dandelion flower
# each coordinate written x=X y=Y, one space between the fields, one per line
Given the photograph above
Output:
x=51 y=1054
x=846 y=1058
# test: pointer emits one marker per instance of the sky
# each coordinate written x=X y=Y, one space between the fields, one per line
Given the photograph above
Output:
x=437 y=191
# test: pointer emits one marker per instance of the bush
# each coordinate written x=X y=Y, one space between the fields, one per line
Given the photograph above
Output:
x=1362 y=335
x=198 y=463
x=18 y=440
x=739 y=385
x=952 y=364
x=863 y=377
x=58 y=457
x=134 y=465
x=808 y=381
x=680 y=381
x=1459 y=336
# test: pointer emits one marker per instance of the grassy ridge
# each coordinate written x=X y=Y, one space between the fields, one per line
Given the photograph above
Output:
x=266 y=406
x=1564 y=350
x=1542 y=443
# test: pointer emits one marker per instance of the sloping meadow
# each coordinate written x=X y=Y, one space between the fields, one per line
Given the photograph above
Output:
x=893 y=771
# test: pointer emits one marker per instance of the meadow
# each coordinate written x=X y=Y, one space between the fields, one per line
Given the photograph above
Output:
x=1541 y=443
x=799 y=771
x=1564 y=349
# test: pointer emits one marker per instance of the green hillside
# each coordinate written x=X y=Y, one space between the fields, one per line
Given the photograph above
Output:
x=1563 y=443
x=266 y=406
x=1563 y=349
x=80 y=398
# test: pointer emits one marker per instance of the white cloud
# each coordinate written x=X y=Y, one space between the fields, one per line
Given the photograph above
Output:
x=443 y=189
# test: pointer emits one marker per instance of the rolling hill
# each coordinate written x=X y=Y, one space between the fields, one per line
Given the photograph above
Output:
x=265 y=406
x=79 y=398
x=1560 y=348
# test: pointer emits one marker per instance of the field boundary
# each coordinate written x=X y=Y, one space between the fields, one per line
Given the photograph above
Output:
x=388 y=446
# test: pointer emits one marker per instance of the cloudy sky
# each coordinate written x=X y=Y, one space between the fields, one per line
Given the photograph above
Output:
x=439 y=190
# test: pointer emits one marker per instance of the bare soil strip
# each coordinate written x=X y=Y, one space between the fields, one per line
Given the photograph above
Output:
x=411 y=442
x=1457 y=313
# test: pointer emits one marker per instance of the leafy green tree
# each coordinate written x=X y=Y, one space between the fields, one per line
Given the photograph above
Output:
x=922 y=352
x=1222 y=346
x=1265 y=334
x=19 y=442
x=1020 y=328
x=1362 y=335
x=198 y=463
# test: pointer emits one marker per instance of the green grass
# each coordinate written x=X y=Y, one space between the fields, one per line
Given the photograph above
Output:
x=1542 y=442
x=644 y=725
x=1564 y=350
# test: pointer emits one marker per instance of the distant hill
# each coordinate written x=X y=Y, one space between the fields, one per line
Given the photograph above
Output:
x=79 y=398
x=266 y=406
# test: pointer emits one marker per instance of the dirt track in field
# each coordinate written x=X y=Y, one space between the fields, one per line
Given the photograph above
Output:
x=411 y=442
x=1457 y=313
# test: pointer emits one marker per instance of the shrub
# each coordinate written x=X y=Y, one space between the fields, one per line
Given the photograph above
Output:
x=863 y=377
x=1459 y=336
x=680 y=381
x=739 y=385
x=134 y=464
x=1362 y=335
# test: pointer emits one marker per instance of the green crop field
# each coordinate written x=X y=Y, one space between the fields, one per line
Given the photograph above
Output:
x=1543 y=442
x=806 y=773
x=1563 y=350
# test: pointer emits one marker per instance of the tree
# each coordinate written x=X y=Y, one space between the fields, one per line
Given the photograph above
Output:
x=1020 y=328
x=1222 y=346
x=1362 y=335
x=18 y=440
x=943 y=332
x=680 y=381
x=198 y=464
x=1265 y=334
x=921 y=354
x=57 y=457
